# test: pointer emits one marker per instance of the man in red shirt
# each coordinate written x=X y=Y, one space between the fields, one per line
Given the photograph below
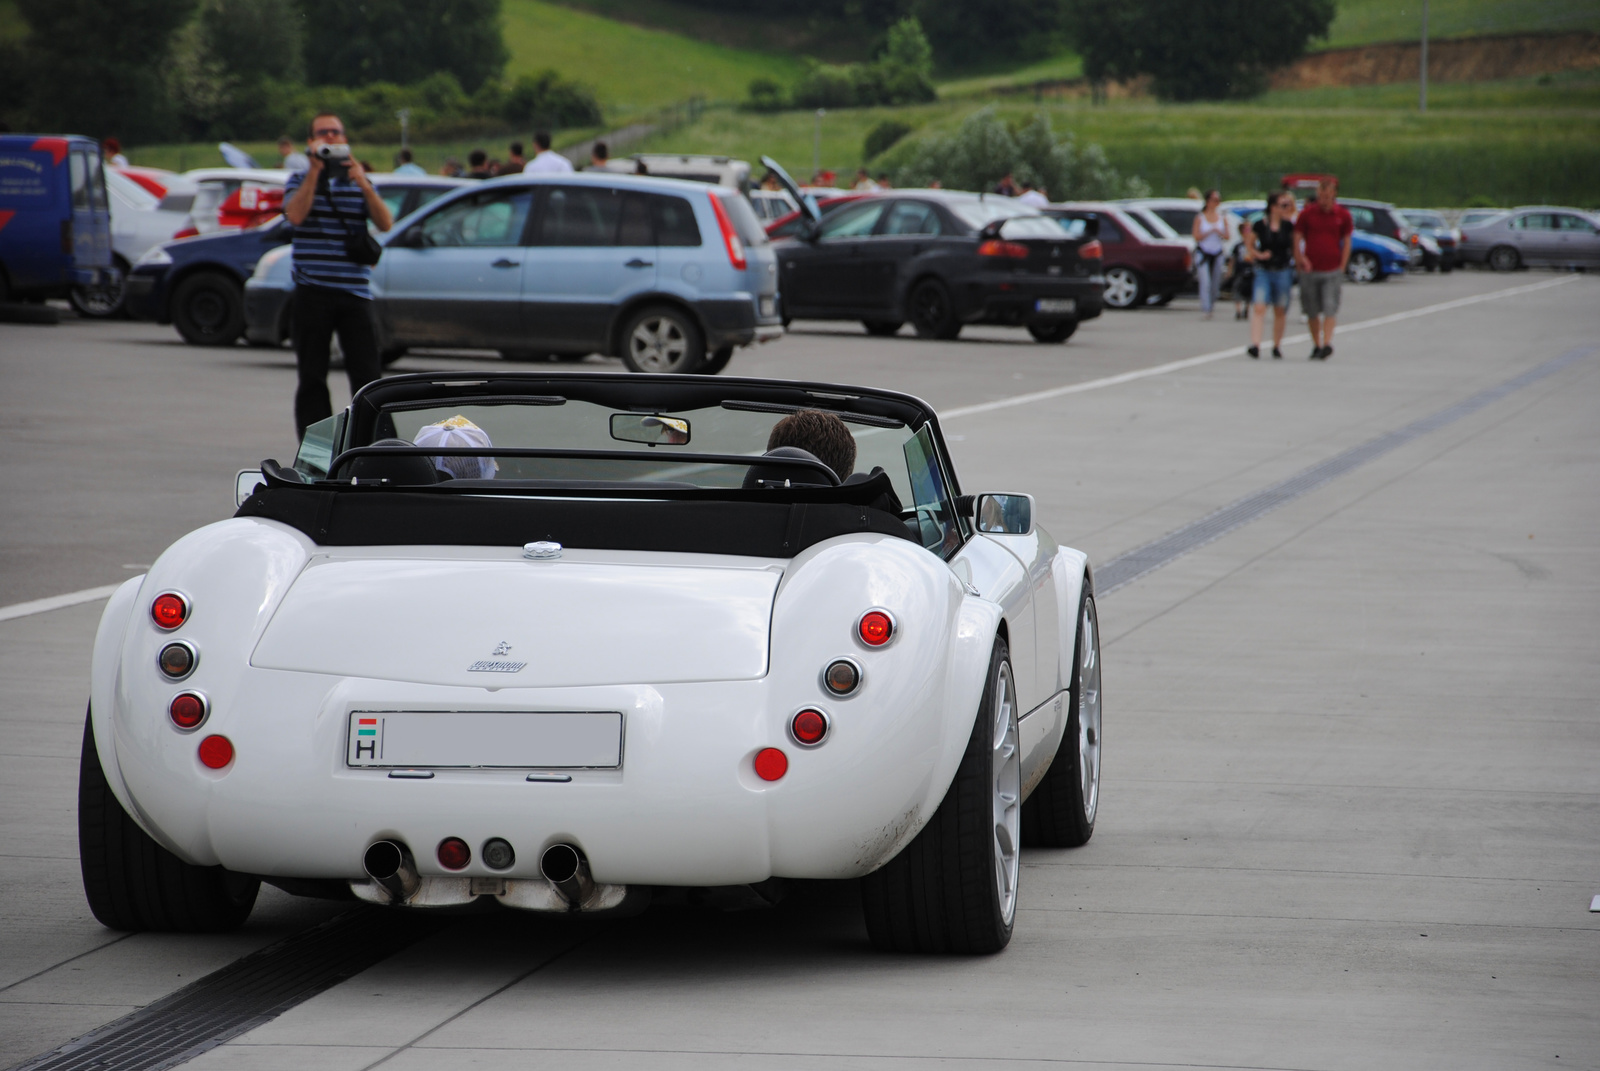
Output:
x=1321 y=251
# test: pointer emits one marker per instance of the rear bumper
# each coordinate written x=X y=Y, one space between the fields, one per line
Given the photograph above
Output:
x=263 y=314
x=147 y=296
x=739 y=321
x=1015 y=301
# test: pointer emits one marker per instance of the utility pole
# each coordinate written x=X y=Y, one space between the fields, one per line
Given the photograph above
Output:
x=404 y=115
x=816 y=143
x=1422 y=101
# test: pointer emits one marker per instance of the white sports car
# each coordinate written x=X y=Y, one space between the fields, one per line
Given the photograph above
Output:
x=571 y=641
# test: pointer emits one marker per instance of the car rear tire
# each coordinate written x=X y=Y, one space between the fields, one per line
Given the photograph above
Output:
x=1364 y=267
x=717 y=361
x=1058 y=332
x=1062 y=809
x=1124 y=288
x=882 y=328
x=1504 y=258
x=132 y=882
x=1157 y=301
x=933 y=312
x=208 y=310
x=107 y=300
x=954 y=887
x=662 y=338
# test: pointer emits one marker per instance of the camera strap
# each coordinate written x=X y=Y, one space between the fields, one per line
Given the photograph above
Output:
x=360 y=246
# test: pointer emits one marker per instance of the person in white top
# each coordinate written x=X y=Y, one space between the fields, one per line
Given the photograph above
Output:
x=1032 y=196
x=545 y=160
x=288 y=158
x=1211 y=237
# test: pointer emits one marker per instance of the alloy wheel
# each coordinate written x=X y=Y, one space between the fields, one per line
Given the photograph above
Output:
x=1007 y=766
x=658 y=344
x=1089 y=708
x=1121 y=288
x=1363 y=268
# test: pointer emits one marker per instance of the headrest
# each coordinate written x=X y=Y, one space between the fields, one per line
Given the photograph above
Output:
x=399 y=468
x=796 y=475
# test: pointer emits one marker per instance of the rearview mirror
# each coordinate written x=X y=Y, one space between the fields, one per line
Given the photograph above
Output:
x=1005 y=514
x=245 y=484
x=652 y=429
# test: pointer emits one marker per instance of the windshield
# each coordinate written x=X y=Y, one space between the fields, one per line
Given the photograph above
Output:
x=1425 y=219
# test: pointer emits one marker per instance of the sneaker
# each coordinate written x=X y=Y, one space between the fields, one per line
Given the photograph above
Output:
x=1254 y=351
x=1327 y=351
x=1277 y=354
x=1316 y=354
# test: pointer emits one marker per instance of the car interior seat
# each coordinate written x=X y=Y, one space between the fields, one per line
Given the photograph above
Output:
x=397 y=468
x=770 y=475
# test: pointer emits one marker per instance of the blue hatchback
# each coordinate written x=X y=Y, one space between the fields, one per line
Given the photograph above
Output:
x=55 y=220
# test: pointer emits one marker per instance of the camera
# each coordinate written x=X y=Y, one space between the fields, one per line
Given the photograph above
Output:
x=335 y=156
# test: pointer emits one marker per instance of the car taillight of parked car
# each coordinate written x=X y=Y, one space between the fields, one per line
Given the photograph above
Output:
x=1091 y=250
x=730 y=237
x=994 y=247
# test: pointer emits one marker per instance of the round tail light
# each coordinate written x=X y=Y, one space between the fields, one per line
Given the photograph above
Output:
x=169 y=610
x=809 y=727
x=876 y=628
x=216 y=752
x=842 y=676
x=771 y=764
x=188 y=710
x=454 y=853
x=498 y=854
x=177 y=660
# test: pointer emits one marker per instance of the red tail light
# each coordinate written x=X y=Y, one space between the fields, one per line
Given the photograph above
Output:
x=771 y=764
x=216 y=752
x=169 y=610
x=188 y=710
x=994 y=247
x=809 y=727
x=730 y=237
x=1091 y=250
x=454 y=853
x=876 y=628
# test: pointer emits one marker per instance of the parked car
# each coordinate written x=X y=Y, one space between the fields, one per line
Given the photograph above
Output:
x=138 y=223
x=1476 y=217
x=210 y=189
x=771 y=205
x=667 y=274
x=1433 y=235
x=692 y=167
x=197 y=284
x=55 y=217
x=941 y=260
x=1137 y=266
x=715 y=666
x=788 y=226
x=156 y=180
x=1534 y=236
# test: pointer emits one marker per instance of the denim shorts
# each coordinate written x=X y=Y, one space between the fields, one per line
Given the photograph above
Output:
x=1272 y=287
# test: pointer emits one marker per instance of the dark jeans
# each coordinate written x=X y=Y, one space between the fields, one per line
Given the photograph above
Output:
x=319 y=311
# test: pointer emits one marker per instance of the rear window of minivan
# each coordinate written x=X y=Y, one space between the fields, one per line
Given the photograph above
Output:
x=744 y=219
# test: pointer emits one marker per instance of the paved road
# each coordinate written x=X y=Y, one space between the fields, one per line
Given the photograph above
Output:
x=1351 y=811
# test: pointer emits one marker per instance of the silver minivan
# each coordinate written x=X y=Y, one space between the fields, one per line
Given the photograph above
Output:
x=669 y=275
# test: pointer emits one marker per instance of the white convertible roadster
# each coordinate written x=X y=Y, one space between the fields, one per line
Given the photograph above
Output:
x=571 y=641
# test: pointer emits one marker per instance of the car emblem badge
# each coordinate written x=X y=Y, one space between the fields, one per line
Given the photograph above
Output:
x=496 y=665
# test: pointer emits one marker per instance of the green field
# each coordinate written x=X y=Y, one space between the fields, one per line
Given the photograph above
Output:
x=430 y=156
x=632 y=70
x=1541 y=149
x=1362 y=22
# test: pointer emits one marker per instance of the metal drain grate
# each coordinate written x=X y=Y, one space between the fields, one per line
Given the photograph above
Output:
x=239 y=997
x=1125 y=568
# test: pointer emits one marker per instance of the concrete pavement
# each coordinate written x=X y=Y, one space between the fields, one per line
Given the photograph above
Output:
x=1349 y=816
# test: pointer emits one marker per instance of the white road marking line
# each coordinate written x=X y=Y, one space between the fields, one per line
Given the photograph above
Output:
x=1238 y=351
x=55 y=602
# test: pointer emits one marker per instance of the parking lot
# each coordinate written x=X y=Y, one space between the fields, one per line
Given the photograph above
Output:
x=1351 y=803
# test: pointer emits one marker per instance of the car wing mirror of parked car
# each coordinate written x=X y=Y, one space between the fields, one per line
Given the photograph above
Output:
x=652 y=429
x=1005 y=514
x=410 y=238
x=808 y=230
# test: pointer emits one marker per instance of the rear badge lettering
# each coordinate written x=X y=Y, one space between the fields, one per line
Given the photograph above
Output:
x=494 y=666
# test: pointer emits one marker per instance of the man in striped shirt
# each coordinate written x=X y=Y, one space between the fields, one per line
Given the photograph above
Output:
x=328 y=203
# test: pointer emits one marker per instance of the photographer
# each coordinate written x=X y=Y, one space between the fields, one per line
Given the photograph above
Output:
x=329 y=204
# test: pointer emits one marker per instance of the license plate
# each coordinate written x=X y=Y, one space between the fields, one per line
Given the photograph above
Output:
x=1065 y=305
x=769 y=306
x=504 y=739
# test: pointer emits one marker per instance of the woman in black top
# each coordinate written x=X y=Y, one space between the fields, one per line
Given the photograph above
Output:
x=1271 y=249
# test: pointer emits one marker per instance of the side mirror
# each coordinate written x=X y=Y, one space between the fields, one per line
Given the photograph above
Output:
x=245 y=484
x=410 y=238
x=650 y=429
x=808 y=230
x=1005 y=514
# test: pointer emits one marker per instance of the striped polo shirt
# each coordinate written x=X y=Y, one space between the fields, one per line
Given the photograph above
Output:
x=319 y=240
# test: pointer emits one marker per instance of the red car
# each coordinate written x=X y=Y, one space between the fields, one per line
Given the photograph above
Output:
x=1138 y=267
x=788 y=226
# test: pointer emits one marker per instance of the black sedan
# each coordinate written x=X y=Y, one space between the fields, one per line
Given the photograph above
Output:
x=942 y=260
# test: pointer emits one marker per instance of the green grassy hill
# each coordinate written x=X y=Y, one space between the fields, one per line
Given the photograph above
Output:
x=634 y=70
x=1362 y=22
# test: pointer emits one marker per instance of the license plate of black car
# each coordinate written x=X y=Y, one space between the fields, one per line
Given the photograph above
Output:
x=1060 y=305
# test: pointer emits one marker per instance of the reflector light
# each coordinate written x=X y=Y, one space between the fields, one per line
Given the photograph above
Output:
x=177 y=660
x=994 y=247
x=454 y=853
x=188 y=710
x=771 y=764
x=497 y=854
x=216 y=752
x=876 y=628
x=730 y=237
x=809 y=727
x=169 y=610
x=841 y=676
x=1091 y=250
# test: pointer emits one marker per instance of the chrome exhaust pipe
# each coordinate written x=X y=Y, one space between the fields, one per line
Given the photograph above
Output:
x=389 y=863
x=564 y=867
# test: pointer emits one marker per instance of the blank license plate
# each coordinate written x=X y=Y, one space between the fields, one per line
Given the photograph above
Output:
x=484 y=739
x=1066 y=305
x=769 y=306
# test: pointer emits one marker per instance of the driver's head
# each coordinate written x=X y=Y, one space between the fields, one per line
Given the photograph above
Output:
x=823 y=434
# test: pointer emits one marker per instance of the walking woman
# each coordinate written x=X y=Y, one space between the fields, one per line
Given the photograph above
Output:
x=1271 y=249
x=1210 y=231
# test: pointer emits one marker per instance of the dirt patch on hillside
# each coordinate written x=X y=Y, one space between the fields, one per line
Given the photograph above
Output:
x=1472 y=59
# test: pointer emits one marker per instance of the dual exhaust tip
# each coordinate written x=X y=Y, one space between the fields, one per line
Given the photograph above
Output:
x=390 y=864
